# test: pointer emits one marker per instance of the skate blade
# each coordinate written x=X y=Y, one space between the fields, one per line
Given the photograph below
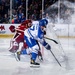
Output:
x=15 y=55
x=34 y=66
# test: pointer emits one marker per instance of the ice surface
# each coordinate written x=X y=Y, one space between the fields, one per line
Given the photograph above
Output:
x=9 y=66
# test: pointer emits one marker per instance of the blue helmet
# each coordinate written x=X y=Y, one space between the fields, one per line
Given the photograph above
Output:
x=43 y=22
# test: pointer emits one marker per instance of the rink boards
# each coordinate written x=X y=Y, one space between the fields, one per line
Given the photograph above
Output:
x=62 y=30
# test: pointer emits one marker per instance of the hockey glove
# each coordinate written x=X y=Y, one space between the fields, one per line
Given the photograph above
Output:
x=46 y=45
x=44 y=32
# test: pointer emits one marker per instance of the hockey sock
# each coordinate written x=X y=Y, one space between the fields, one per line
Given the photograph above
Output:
x=24 y=51
x=33 y=56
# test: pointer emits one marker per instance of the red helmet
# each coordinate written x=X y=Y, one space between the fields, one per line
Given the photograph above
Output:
x=23 y=23
x=26 y=22
x=29 y=21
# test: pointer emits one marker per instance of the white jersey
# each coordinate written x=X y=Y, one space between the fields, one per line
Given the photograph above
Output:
x=33 y=30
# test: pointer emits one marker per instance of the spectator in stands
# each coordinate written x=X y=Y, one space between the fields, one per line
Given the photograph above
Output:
x=17 y=20
x=20 y=13
x=12 y=21
x=1 y=19
x=23 y=18
x=35 y=15
x=40 y=15
x=6 y=18
x=19 y=7
x=14 y=14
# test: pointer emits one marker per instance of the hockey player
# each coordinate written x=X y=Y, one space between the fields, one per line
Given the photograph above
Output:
x=36 y=32
x=19 y=35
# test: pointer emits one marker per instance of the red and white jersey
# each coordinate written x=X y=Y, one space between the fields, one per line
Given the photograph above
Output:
x=19 y=36
x=21 y=28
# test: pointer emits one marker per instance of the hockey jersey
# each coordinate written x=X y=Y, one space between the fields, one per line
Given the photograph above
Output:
x=34 y=31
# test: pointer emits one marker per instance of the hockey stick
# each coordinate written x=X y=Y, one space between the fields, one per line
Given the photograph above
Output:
x=51 y=40
x=55 y=35
x=55 y=58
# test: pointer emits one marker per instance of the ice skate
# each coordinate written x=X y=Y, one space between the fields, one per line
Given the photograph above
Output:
x=17 y=55
x=34 y=64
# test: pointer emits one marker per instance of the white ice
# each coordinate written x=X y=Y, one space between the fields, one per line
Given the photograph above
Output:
x=9 y=66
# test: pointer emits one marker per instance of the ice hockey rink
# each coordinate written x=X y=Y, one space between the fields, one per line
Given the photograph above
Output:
x=49 y=66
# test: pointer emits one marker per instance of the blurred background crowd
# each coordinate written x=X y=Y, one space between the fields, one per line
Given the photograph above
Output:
x=36 y=10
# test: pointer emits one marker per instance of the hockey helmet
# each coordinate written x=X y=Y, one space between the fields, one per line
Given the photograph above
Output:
x=26 y=22
x=43 y=22
x=29 y=21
